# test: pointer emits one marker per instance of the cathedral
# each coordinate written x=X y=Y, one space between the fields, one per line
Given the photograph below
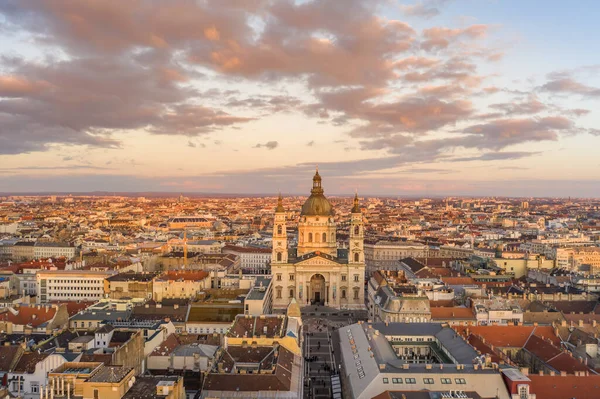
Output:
x=316 y=271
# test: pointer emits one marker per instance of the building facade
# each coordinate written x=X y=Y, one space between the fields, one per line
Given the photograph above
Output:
x=70 y=285
x=252 y=260
x=317 y=271
x=53 y=250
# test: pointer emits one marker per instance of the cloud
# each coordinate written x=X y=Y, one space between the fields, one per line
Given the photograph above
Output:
x=498 y=156
x=513 y=168
x=191 y=144
x=425 y=9
x=83 y=101
x=269 y=145
x=532 y=105
x=441 y=37
x=501 y=133
x=568 y=85
x=63 y=167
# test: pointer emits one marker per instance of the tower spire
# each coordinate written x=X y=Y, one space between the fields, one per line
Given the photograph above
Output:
x=280 y=207
x=356 y=207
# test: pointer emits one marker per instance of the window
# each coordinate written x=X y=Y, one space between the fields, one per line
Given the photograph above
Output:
x=396 y=380
x=386 y=381
x=279 y=229
x=291 y=293
x=523 y=392
x=332 y=237
x=356 y=256
x=446 y=380
x=428 y=380
x=291 y=277
x=356 y=293
x=343 y=277
x=356 y=230
x=278 y=293
x=96 y=395
x=278 y=256
x=356 y=278
x=343 y=294
x=324 y=237
x=279 y=277
x=309 y=237
x=460 y=381
x=410 y=380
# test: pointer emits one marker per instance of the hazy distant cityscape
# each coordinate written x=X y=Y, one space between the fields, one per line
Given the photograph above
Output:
x=312 y=296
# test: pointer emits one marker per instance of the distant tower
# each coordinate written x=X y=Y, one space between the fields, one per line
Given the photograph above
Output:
x=356 y=250
x=280 y=250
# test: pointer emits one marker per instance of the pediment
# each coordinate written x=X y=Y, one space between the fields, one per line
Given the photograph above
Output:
x=317 y=260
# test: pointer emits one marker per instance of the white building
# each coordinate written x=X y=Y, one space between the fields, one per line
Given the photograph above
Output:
x=252 y=260
x=31 y=373
x=53 y=250
x=71 y=285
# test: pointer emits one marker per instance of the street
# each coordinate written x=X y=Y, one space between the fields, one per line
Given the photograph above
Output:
x=321 y=347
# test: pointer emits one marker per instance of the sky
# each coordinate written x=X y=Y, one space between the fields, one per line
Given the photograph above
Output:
x=402 y=98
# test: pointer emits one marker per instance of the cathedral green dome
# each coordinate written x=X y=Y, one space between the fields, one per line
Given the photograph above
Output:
x=317 y=204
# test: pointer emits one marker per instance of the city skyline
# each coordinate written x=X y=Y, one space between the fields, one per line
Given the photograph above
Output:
x=425 y=98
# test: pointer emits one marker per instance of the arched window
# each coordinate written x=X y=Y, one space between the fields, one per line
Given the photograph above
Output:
x=309 y=237
x=278 y=256
x=291 y=293
x=356 y=230
x=355 y=293
x=324 y=237
x=279 y=230
x=356 y=256
x=343 y=294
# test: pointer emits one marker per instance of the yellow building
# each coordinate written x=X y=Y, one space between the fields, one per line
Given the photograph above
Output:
x=521 y=266
x=180 y=285
x=94 y=380
x=317 y=271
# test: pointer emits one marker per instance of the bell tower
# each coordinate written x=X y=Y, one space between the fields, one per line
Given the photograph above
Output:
x=356 y=249
x=280 y=250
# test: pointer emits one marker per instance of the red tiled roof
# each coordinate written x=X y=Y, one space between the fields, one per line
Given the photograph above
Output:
x=29 y=315
x=565 y=387
x=477 y=343
x=509 y=336
x=166 y=347
x=28 y=361
x=454 y=313
x=74 y=307
x=458 y=280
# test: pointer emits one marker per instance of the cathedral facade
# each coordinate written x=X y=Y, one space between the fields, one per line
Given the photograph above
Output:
x=316 y=271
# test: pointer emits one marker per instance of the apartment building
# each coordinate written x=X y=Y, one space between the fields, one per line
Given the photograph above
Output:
x=253 y=260
x=385 y=254
x=572 y=258
x=53 y=250
x=71 y=285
